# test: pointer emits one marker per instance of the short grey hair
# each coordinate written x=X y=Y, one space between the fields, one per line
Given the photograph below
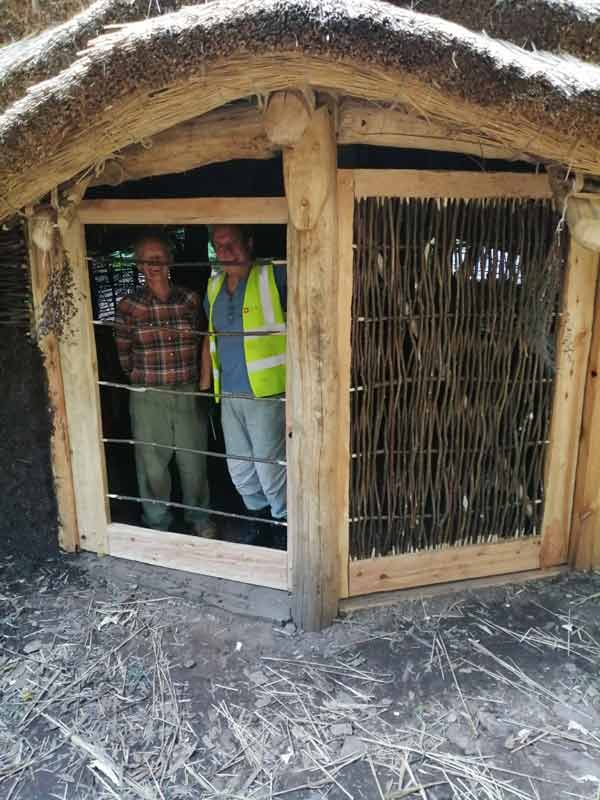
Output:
x=151 y=235
x=246 y=230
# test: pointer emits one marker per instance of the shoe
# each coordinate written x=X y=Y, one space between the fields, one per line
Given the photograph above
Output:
x=251 y=535
x=278 y=538
x=205 y=530
x=261 y=531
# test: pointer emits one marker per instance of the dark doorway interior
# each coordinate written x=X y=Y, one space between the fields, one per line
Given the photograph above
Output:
x=113 y=274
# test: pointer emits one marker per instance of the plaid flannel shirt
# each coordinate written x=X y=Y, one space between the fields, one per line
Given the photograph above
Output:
x=157 y=341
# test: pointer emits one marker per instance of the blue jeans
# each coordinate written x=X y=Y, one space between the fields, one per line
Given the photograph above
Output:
x=177 y=420
x=256 y=428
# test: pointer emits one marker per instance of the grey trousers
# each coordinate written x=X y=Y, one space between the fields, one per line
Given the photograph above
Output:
x=177 y=420
x=256 y=428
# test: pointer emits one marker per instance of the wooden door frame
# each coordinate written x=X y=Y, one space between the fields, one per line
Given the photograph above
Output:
x=78 y=371
x=550 y=548
x=276 y=568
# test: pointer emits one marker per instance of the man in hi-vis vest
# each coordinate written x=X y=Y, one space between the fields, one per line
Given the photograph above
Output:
x=245 y=297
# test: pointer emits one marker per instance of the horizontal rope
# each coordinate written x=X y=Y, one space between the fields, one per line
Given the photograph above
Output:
x=200 y=334
x=222 y=395
x=419 y=451
x=228 y=514
x=444 y=315
x=276 y=262
x=197 y=452
x=450 y=378
x=477 y=511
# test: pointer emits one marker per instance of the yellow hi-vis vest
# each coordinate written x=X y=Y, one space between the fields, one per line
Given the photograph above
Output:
x=262 y=311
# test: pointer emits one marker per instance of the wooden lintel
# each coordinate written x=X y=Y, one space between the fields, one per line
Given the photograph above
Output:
x=80 y=374
x=372 y=124
x=584 y=543
x=237 y=562
x=448 y=183
x=573 y=348
x=314 y=390
x=221 y=135
x=441 y=566
x=185 y=211
x=41 y=263
x=241 y=131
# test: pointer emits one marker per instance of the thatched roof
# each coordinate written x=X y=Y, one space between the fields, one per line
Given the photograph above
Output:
x=568 y=27
x=521 y=93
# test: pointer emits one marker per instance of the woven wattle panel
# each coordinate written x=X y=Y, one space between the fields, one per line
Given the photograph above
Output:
x=453 y=326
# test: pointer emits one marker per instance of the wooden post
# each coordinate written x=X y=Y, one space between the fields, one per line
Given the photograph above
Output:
x=80 y=375
x=317 y=449
x=345 y=268
x=584 y=544
x=287 y=116
x=574 y=340
x=40 y=263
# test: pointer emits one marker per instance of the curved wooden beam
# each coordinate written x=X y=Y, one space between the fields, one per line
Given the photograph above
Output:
x=368 y=123
x=221 y=135
x=241 y=131
x=142 y=114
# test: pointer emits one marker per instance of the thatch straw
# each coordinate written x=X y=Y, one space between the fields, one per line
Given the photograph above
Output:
x=202 y=57
x=558 y=27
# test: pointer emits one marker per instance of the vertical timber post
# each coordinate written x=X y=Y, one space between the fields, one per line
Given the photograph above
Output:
x=314 y=390
x=80 y=375
x=574 y=339
x=345 y=269
x=584 y=544
x=41 y=263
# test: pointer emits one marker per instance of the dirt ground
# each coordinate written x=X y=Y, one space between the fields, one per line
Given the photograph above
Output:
x=114 y=684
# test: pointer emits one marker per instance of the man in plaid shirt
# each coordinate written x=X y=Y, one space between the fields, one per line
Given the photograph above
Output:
x=159 y=347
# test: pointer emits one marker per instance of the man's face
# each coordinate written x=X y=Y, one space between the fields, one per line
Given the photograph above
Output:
x=232 y=249
x=154 y=260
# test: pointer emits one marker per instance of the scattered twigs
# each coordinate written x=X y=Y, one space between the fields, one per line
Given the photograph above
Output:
x=82 y=678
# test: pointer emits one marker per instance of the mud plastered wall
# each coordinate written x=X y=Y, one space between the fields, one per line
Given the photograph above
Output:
x=28 y=512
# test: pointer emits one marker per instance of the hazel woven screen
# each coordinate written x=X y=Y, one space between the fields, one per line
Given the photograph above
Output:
x=454 y=312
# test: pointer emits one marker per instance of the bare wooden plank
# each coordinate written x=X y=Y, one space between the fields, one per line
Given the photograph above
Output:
x=442 y=566
x=392 y=597
x=260 y=566
x=573 y=348
x=345 y=201
x=80 y=375
x=584 y=543
x=314 y=391
x=440 y=183
x=372 y=124
x=221 y=135
x=186 y=211
x=40 y=264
